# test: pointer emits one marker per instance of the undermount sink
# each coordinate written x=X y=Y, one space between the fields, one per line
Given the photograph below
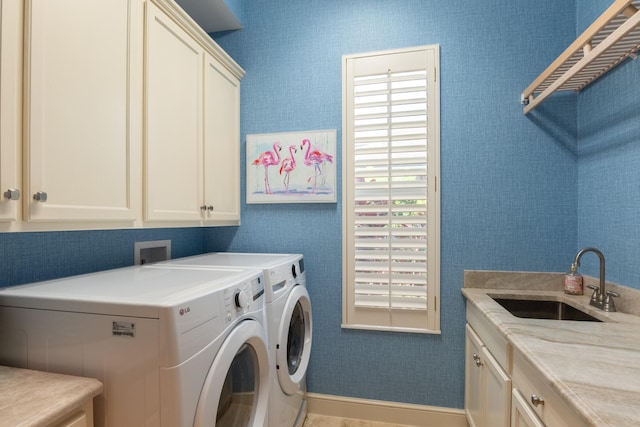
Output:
x=540 y=309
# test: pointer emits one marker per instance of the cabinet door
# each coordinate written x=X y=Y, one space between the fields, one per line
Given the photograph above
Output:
x=173 y=141
x=80 y=65
x=487 y=386
x=221 y=143
x=77 y=420
x=497 y=392
x=474 y=383
x=10 y=106
x=521 y=414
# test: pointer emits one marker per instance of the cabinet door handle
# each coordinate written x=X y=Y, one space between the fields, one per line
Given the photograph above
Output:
x=537 y=400
x=12 y=194
x=210 y=207
x=40 y=196
x=477 y=359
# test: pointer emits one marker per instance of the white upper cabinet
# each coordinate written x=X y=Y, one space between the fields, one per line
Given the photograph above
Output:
x=192 y=143
x=83 y=69
x=221 y=143
x=173 y=142
x=10 y=107
x=115 y=114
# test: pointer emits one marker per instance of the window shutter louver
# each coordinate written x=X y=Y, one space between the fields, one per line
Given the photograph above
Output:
x=390 y=174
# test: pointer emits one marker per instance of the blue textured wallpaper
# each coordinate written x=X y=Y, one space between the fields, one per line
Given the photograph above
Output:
x=608 y=185
x=518 y=192
x=31 y=257
x=508 y=180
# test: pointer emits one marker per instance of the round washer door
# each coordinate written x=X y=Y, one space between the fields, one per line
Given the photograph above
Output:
x=235 y=392
x=293 y=348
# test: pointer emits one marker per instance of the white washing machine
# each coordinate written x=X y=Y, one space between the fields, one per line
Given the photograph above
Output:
x=173 y=347
x=290 y=326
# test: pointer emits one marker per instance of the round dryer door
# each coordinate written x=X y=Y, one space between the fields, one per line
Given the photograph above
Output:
x=235 y=392
x=293 y=348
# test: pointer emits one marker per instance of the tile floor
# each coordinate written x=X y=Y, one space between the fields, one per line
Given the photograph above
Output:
x=314 y=420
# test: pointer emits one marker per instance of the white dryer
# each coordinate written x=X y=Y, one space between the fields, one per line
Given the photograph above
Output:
x=173 y=347
x=290 y=326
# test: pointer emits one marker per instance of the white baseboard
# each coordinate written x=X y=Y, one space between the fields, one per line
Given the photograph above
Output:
x=386 y=412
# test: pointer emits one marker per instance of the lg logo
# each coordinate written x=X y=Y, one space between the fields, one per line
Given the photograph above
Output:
x=184 y=311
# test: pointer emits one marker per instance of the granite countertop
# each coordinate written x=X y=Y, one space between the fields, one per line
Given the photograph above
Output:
x=593 y=366
x=36 y=398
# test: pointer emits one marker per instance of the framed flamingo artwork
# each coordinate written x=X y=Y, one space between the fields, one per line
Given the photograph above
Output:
x=292 y=167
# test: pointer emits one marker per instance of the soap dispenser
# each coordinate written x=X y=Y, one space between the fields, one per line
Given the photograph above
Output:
x=573 y=281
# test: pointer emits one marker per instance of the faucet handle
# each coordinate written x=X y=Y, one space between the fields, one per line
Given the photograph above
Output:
x=596 y=293
x=596 y=290
x=609 y=305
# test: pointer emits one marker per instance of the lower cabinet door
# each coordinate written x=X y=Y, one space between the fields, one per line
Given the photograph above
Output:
x=498 y=393
x=473 y=388
x=79 y=420
x=521 y=414
x=487 y=386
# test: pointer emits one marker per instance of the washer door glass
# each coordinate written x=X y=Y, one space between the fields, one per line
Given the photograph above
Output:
x=295 y=339
x=293 y=346
x=235 y=392
x=238 y=390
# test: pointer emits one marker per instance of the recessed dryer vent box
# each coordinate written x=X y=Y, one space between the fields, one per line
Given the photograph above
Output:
x=152 y=251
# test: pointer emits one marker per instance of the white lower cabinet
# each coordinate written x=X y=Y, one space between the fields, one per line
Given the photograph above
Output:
x=487 y=386
x=521 y=413
x=503 y=388
x=473 y=387
x=82 y=417
x=545 y=404
x=498 y=390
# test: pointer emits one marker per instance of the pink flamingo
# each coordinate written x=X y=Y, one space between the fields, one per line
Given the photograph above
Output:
x=267 y=159
x=315 y=158
x=287 y=166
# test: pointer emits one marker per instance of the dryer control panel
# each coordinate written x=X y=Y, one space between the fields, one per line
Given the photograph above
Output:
x=245 y=298
x=283 y=278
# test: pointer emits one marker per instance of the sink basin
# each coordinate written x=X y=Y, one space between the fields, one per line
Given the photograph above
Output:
x=539 y=309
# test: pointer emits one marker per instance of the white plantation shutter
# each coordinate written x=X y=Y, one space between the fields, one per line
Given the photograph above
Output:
x=390 y=203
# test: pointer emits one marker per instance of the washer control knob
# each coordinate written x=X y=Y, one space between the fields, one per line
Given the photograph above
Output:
x=241 y=299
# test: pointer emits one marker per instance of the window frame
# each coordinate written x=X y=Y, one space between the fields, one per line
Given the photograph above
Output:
x=388 y=318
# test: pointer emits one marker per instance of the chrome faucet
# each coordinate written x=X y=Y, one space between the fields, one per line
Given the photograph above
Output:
x=601 y=298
